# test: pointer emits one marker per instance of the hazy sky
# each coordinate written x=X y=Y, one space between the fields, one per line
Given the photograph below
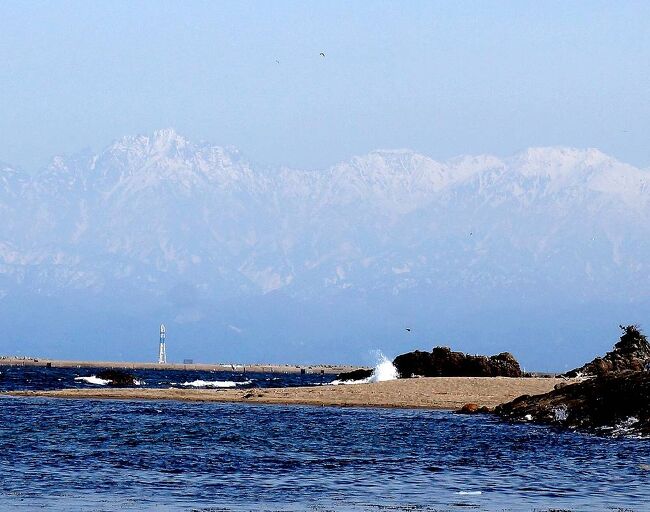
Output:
x=441 y=78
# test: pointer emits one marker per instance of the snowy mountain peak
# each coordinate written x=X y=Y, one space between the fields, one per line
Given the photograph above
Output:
x=161 y=142
x=391 y=153
x=58 y=164
x=394 y=162
x=6 y=169
x=556 y=162
x=167 y=138
x=9 y=178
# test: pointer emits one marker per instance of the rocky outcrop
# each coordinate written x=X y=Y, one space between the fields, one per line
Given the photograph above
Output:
x=632 y=352
x=613 y=404
x=359 y=374
x=442 y=362
x=117 y=378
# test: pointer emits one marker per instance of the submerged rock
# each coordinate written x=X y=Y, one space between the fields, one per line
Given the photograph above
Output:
x=632 y=352
x=117 y=378
x=442 y=362
x=472 y=408
x=359 y=374
x=613 y=404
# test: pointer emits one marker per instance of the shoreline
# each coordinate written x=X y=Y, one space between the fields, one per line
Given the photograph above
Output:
x=219 y=367
x=447 y=393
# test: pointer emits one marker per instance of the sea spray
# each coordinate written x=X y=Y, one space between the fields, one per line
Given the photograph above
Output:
x=93 y=379
x=384 y=370
x=214 y=383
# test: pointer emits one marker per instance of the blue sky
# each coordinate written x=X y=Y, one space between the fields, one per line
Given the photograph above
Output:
x=442 y=78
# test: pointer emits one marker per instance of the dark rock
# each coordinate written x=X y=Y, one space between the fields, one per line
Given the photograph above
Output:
x=468 y=409
x=611 y=404
x=632 y=352
x=117 y=378
x=359 y=374
x=442 y=362
x=473 y=409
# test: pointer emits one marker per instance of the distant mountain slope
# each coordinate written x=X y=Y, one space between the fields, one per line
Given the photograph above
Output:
x=185 y=224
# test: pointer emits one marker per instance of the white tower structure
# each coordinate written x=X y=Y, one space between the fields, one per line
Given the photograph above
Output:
x=162 y=353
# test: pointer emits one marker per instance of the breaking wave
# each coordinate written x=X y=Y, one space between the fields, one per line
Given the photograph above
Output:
x=215 y=383
x=384 y=370
x=93 y=379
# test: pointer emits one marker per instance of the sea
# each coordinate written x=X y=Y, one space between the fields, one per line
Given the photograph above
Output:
x=105 y=455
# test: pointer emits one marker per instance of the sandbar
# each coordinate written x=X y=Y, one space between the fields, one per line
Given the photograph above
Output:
x=430 y=393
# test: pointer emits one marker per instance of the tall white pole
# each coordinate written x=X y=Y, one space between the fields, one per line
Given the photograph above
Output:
x=162 y=353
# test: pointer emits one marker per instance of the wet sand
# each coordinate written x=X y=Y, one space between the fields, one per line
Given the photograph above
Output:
x=430 y=393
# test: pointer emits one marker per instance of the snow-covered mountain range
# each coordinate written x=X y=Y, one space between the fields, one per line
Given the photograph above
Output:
x=193 y=229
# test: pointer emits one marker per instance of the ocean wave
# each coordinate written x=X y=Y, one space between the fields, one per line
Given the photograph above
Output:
x=93 y=379
x=215 y=383
x=383 y=371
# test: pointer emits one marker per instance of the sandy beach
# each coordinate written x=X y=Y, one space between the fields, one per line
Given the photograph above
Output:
x=432 y=393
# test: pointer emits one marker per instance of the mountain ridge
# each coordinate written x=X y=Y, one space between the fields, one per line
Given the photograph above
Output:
x=152 y=215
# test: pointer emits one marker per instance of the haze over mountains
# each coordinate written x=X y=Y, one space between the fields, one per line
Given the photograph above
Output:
x=542 y=253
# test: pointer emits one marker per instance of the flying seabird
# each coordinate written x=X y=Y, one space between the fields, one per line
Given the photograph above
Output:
x=322 y=54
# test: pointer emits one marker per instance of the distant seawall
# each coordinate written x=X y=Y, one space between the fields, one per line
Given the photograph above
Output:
x=220 y=367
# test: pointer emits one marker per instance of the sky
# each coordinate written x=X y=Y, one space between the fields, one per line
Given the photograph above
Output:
x=441 y=78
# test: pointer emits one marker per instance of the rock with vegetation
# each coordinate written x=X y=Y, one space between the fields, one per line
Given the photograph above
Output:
x=632 y=352
x=612 y=404
x=117 y=378
x=442 y=362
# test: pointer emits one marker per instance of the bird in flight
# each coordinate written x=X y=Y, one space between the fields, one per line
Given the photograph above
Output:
x=277 y=61
x=408 y=329
x=322 y=54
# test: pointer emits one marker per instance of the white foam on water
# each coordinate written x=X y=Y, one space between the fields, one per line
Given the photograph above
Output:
x=560 y=413
x=215 y=383
x=469 y=493
x=625 y=427
x=384 y=370
x=93 y=380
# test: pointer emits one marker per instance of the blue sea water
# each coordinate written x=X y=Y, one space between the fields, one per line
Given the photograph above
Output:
x=15 y=378
x=95 y=455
